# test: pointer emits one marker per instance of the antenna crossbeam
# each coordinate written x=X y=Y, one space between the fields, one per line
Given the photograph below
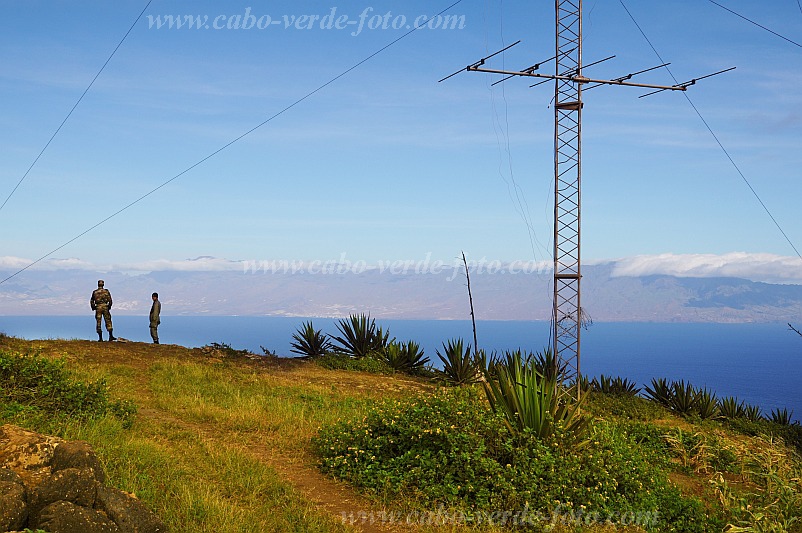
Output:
x=628 y=76
x=579 y=79
x=533 y=68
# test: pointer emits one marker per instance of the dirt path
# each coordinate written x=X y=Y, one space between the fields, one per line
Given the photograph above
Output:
x=335 y=498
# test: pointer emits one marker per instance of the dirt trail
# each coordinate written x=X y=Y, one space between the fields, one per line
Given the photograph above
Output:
x=334 y=497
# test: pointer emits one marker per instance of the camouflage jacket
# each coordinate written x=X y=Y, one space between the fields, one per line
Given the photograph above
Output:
x=155 y=311
x=100 y=297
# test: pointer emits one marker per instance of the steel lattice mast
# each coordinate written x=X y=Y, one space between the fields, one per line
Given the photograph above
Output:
x=567 y=189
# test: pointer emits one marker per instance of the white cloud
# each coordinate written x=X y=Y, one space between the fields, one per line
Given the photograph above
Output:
x=68 y=263
x=753 y=266
x=198 y=264
x=15 y=263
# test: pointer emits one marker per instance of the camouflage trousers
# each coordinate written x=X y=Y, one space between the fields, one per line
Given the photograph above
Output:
x=103 y=311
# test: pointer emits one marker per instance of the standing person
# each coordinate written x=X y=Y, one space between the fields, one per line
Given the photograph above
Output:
x=155 y=311
x=100 y=302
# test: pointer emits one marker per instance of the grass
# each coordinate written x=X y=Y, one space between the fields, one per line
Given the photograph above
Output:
x=225 y=443
x=214 y=438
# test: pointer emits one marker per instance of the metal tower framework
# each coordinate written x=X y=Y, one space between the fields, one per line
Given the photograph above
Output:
x=567 y=314
x=567 y=311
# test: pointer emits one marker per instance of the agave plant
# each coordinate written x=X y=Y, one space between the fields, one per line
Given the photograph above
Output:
x=531 y=403
x=404 y=357
x=546 y=364
x=459 y=365
x=782 y=416
x=617 y=385
x=753 y=413
x=515 y=359
x=684 y=397
x=585 y=385
x=731 y=408
x=707 y=404
x=486 y=363
x=310 y=342
x=660 y=391
x=360 y=336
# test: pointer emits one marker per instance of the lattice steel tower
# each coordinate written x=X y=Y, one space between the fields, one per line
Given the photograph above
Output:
x=567 y=310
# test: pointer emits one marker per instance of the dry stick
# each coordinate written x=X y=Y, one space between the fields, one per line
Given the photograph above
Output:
x=470 y=299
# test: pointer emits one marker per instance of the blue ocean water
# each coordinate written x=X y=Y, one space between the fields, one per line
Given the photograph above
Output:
x=758 y=363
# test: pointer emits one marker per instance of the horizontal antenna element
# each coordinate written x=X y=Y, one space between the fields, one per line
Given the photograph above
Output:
x=473 y=66
x=684 y=85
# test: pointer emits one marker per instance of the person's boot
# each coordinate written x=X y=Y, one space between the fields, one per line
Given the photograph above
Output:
x=100 y=336
x=111 y=336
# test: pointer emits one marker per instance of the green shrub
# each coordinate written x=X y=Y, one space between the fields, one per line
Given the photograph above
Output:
x=226 y=350
x=650 y=437
x=450 y=450
x=29 y=382
x=622 y=406
x=341 y=361
x=792 y=434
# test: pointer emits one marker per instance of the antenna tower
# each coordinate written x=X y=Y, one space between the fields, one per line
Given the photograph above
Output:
x=567 y=313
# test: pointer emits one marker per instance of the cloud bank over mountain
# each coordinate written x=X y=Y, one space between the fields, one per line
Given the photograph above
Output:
x=755 y=267
x=665 y=288
x=763 y=267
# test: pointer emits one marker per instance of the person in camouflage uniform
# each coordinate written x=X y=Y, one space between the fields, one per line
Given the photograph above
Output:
x=101 y=305
x=155 y=320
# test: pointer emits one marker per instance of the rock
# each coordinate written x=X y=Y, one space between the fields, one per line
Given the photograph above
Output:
x=27 y=453
x=127 y=512
x=66 y=517
x=9 y=475
x=51 y=484
x=13 y=506
x=77 y=454
x=72 y=485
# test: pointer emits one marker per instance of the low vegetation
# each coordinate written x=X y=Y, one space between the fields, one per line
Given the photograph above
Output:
x=43 y=387
x=224 y=440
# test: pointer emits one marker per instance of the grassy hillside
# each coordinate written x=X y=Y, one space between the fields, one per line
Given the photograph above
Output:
x=223 y=442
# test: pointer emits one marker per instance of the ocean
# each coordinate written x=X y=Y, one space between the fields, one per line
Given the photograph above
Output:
x=758 y=363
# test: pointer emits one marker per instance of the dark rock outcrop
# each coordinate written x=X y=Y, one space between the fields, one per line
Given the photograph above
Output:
x=66 y=517
x=78 y=454
x=13 y=501
x=58 y=486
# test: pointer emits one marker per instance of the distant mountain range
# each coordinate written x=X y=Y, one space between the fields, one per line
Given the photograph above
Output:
x=606 y=295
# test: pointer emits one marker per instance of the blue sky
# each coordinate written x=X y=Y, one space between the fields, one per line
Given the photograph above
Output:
x=385 y=163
